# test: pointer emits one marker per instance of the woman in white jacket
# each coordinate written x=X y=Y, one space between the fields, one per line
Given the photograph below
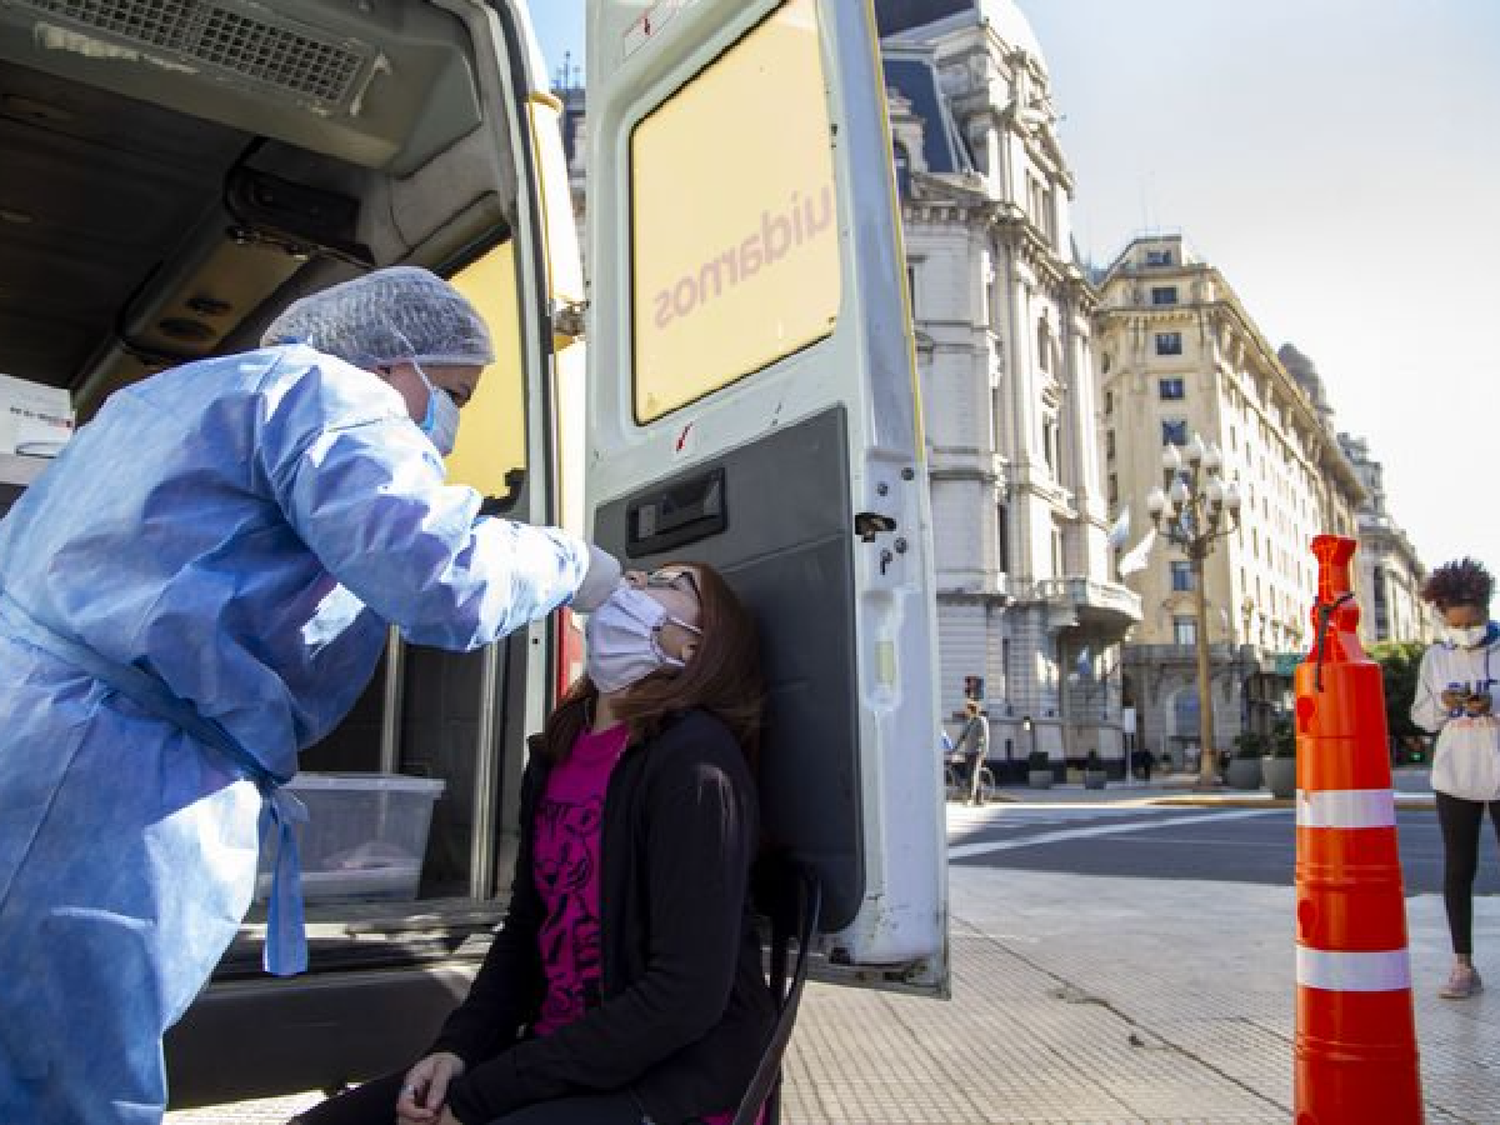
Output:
x=1455 y=698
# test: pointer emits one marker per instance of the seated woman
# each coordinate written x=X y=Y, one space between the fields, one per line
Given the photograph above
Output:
x=626 y=982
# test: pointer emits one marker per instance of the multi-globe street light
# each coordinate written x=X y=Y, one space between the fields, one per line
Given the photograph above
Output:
x=1194 y=508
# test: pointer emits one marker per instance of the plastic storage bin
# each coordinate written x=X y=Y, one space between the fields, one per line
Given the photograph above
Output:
x=364 y=838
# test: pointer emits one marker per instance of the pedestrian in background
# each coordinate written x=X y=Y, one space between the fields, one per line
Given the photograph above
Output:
x=1454 y=698
x=974 y=745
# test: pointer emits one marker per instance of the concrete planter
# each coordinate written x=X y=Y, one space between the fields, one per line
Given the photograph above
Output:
x=1281 y=776
x=1244 y=773
x=1094 y=779
x=1039 y=779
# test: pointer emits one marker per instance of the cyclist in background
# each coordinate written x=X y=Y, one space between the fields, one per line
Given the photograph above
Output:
x=974 y=745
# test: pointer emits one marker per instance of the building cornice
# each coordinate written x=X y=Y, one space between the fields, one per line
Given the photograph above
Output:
x=1225 y=309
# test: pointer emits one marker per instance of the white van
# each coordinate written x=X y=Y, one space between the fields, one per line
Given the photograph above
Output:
x=176 y=171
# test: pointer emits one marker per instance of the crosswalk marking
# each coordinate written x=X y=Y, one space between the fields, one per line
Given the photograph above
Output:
x=1136 y=824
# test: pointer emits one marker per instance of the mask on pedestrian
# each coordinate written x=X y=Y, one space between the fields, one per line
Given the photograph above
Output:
x=440 y=423
x=623 y=637
x=1466 y=636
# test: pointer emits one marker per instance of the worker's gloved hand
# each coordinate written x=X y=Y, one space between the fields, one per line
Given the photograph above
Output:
x=599 y=583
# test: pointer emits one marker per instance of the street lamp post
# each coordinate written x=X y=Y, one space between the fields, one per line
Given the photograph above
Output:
x=1195 y=509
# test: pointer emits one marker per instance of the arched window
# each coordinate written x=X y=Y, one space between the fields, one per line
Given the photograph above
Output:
x=1184 y=712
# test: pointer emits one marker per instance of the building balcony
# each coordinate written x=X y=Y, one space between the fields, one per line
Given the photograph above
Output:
x=974 y=585
x=1107 y=606
x=1246 y=660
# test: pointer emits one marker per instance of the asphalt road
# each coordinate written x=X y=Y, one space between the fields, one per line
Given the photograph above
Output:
x=1230 y=845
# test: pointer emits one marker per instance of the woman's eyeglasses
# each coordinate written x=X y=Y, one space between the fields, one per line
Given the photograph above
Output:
x=671 y=578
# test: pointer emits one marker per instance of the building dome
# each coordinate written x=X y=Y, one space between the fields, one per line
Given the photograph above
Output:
x=1301 y=368
x=1012 y=26
x=1009 y=23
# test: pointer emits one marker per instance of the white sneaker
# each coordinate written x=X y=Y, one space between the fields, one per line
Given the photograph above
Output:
x=1463 y=983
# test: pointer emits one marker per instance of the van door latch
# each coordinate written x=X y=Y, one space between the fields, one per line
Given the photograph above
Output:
x=568 y=321
x=867 y=525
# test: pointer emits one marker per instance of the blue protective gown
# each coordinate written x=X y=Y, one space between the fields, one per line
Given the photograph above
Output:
x=242 y=529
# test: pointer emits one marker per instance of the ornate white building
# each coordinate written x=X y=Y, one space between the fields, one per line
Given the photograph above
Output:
x=1391 y=571
x=1005 y=350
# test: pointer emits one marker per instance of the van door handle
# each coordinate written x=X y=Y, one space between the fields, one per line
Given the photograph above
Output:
x=680 y=513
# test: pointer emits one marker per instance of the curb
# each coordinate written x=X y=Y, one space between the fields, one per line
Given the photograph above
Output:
x=1425 y=804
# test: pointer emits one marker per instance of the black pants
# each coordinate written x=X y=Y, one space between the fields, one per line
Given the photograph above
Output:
x=374 y=1103
x=1461 y=821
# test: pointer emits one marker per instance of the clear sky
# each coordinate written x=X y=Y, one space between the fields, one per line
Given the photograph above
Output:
x=560 y=28
x=1339 y=160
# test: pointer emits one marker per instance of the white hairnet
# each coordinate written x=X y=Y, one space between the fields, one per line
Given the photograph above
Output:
x=388 y=316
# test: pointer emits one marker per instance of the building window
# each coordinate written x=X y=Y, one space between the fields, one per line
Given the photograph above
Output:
x=911 y=289
x=1109 y=444
x=1109 y=397
x=1171 y=388
x=1158 y=257
x=1041 y=209
x=1114 y=489
x=1169 y=343
x=1002 y=536
x=1184 y=631
x=903 y=170
x=1174 y=431
x=1182 y=575
x=1049 y=445
x=1043 y=346
x=1160 y=294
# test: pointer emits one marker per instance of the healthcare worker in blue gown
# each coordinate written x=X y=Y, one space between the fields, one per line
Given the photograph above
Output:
x=197 y=589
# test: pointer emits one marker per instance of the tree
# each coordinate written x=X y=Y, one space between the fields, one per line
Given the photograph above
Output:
x=1399 y=665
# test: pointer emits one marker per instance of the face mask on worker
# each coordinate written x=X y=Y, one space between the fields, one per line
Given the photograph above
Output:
x=440 y=423
x=1466 y=636
x=624 y=640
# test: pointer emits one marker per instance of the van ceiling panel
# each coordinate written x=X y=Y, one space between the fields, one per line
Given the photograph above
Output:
x=97 y=191
x=297 y=61
x=381 y=86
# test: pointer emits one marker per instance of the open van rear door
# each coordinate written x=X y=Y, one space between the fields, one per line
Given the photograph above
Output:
x=752 y=403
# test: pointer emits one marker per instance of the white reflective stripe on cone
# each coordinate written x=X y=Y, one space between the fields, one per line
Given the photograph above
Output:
x=1346 y=808
x=1387 y=971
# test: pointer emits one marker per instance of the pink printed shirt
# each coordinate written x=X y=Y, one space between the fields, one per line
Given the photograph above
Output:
x=566 y=867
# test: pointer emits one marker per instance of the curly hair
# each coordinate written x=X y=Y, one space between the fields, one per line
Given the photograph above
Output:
x=1464 y=582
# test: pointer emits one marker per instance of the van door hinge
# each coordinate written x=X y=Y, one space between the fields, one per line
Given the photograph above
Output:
x=568 y=322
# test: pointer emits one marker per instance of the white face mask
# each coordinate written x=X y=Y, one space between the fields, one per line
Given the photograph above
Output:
x=440 y=423
x=1465 y=636
x=623 y=640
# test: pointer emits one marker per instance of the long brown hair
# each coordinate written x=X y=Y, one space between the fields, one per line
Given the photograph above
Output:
x=723 y=678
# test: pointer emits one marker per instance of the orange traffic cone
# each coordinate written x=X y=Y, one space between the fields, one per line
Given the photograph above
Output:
x=1356 y=1031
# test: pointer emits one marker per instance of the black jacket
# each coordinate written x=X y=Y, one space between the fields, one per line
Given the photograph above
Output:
x=684 y=1011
